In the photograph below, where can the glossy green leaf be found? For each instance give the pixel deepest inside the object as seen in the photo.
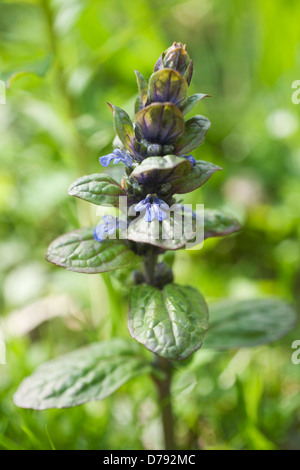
(199, 174)
(195, 131)
(171, 322)
(247, 323)
(123, 126)
(167, 85)
(78, 251)
(99, 189)
(161, 169)
(182, 229)
(87, 374)
(219, 224)
(143, 87)
(192, 100)
(172, 233)
(161, 123)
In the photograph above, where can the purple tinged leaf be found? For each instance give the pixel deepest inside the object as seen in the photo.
(161, 123)
(159, 64)
(155, 170)
(195, 131)
(200, 173)
(189, 73)
(123, 127)
(188, 105)
(167, 85)
(143, 87)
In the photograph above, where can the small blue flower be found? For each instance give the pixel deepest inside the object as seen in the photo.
(191, 159)
(108, 224)
(154, 208)
(117, 156)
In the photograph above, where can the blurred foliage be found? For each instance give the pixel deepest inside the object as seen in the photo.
(62, 61)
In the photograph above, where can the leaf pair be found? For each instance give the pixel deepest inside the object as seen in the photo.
(164, 123)
(167, 85)
(173, 323)
(177, 171)
(161, 123)
(98, 370)
(78, 251)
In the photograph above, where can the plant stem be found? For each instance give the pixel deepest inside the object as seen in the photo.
(163, 383)
(150, 261)
(164, 394)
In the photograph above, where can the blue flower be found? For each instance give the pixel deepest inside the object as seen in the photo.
(154, 208)
(108, 224)
(117, 156)
(190, 158)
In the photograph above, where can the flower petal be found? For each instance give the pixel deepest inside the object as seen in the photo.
(191, 159)
(148, 217)
(106, 159)
(108, 224)
(117, 156)
(162, 204)
(141, 206)
(99, 233)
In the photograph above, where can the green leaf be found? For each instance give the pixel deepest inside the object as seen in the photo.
(123, 126)
(78, 251)
(99, 189)
(192, 100)
(199, 174)
(143, 87)
(195, 131)
(172, 233)
(90, 373)
(219, 224)
(171, 322)
(181, 228)
(161, 169)
(161, 123)
(246, 323)
(167, 85)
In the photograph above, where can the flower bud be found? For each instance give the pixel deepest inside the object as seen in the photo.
(175, 57)
(154, 150)
(168, 149)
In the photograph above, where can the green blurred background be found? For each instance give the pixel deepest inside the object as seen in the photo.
(62, 61)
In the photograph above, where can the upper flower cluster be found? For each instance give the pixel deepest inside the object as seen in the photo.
(159, 128)
(156, 147)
